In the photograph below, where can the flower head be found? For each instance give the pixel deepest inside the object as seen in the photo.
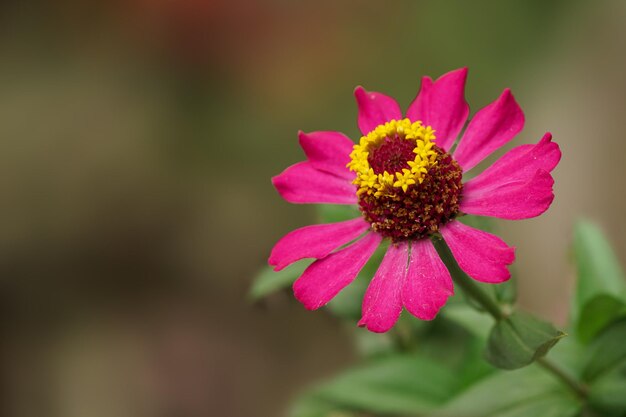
(408, 186)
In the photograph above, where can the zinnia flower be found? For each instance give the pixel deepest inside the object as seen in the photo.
(408, 185)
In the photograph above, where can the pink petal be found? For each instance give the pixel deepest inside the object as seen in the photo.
(515, 186)
(302, 183)
(492, 127)
(428, 283)
(375, 109)
(328, 152)
(520, 163)
(515, 200)
(315, 241)
(442, 106)
(382, 304)
(481, 255)
(324, 278)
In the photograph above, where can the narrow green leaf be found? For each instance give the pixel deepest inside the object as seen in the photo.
(479, 222)
(475, 322)
(331, 213)
(519, 340)
(521, 393)
(406, 384)
(601, 289)
(269, 281)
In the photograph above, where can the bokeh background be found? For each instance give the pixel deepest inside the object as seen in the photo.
(137, 142)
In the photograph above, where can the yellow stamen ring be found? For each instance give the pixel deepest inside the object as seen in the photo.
(385, 183)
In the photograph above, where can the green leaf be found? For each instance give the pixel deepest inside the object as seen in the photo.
(601, 289)
(406, 384)
(598, 313)
(521, 393)
(605, 370)
(269, 281)
(519, 340)
(608, 392)
(606, 351)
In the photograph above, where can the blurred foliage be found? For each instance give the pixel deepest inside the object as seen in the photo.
(601, 286)
(388, 386)
(526, 392)
(441, 368)
(605, 370)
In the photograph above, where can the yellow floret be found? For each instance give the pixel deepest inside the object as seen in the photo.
(388, 183)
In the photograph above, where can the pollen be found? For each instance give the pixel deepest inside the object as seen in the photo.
(393, 157)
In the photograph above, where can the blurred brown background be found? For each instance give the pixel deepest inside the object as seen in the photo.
(137, 142)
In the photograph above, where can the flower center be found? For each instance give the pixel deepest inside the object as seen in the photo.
(407, 186)
(392, 155)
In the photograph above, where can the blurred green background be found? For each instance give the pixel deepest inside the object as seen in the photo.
(138, 138)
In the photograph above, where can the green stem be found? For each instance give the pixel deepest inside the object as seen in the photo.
(470, 288)
(576, 386)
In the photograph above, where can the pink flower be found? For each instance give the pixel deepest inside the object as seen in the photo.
(408, 186)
